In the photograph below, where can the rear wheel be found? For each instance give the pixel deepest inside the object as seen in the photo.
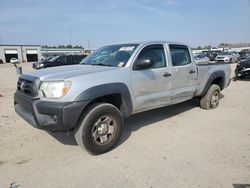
(100, 128)
(211, 99)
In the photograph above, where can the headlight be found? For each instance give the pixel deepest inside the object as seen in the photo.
(41, 65)
(55, 89)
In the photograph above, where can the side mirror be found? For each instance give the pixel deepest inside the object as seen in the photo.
(143, 64)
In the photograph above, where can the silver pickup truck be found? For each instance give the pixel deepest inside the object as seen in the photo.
(112, 83)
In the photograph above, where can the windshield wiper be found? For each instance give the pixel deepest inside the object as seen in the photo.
(101, 64)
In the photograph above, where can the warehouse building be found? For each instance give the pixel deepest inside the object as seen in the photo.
(34, 53)
(25, 53)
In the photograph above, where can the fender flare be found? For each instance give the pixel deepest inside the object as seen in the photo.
(108, 89)
(213, 76)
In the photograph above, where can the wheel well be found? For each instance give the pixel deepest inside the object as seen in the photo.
(219, 81)
(114, 99)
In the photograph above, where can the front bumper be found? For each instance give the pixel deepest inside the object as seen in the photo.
(53, 116)
(222, 60)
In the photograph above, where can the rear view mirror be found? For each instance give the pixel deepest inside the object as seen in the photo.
(143, 64)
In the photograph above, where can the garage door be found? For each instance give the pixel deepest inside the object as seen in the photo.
(31, 52)
(31, 55)
(12, 53)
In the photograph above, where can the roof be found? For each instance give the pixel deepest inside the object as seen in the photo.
(151, 42)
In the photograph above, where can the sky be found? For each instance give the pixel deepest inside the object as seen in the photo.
(95, 23)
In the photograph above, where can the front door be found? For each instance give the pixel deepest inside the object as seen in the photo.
(151, 85)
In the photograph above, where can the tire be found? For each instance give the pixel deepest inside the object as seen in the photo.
(211, 99)
(100, 128)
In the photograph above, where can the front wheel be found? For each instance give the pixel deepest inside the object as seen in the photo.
(211, 99)
(100, 128)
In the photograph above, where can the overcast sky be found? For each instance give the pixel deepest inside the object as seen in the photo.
(101, 22)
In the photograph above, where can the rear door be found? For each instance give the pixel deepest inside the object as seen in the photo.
(151, 86)
(184, 73)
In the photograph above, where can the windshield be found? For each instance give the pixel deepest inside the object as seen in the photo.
(225, 53)
(53, 59)
(114, 55)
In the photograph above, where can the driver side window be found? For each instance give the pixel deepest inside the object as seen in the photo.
(155, 53)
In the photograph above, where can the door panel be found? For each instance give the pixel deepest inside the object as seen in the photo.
(151, 88)
(184, 73)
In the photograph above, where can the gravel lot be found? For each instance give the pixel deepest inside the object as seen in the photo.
(176, 146)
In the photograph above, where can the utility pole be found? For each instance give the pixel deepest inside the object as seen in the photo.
(70, 36)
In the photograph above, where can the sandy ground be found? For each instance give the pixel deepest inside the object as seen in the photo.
(176, 146)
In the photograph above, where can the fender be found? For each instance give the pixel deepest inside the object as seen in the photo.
(109, 89)
(212, 77)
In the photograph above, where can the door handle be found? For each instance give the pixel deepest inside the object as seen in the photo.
(166, 74)
(191, 71)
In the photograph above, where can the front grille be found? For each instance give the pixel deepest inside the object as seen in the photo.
(220, 60)
(27, 87)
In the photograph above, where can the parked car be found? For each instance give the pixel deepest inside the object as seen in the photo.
(244, 53)
(201, 59)
(236, 55)
(210, 54)
(59, 61)
(94, 97)
(227, 57)
(243, 68)
(14, 60)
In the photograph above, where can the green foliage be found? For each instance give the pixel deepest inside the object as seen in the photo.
(62, 46)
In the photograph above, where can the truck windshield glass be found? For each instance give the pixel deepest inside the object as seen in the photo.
(113, 55)
(225, 53)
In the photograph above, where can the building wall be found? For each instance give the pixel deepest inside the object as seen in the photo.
(21, 51)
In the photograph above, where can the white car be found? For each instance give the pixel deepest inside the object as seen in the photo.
(228, 57)
(201, 59)
(14, 60)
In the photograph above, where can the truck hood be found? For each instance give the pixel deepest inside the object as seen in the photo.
(65, 72)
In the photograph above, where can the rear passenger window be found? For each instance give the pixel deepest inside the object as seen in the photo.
(68, 59)
(180, 55)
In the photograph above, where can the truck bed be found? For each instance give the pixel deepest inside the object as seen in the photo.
(206, 71)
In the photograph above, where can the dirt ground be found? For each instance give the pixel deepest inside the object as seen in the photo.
(176, 146)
